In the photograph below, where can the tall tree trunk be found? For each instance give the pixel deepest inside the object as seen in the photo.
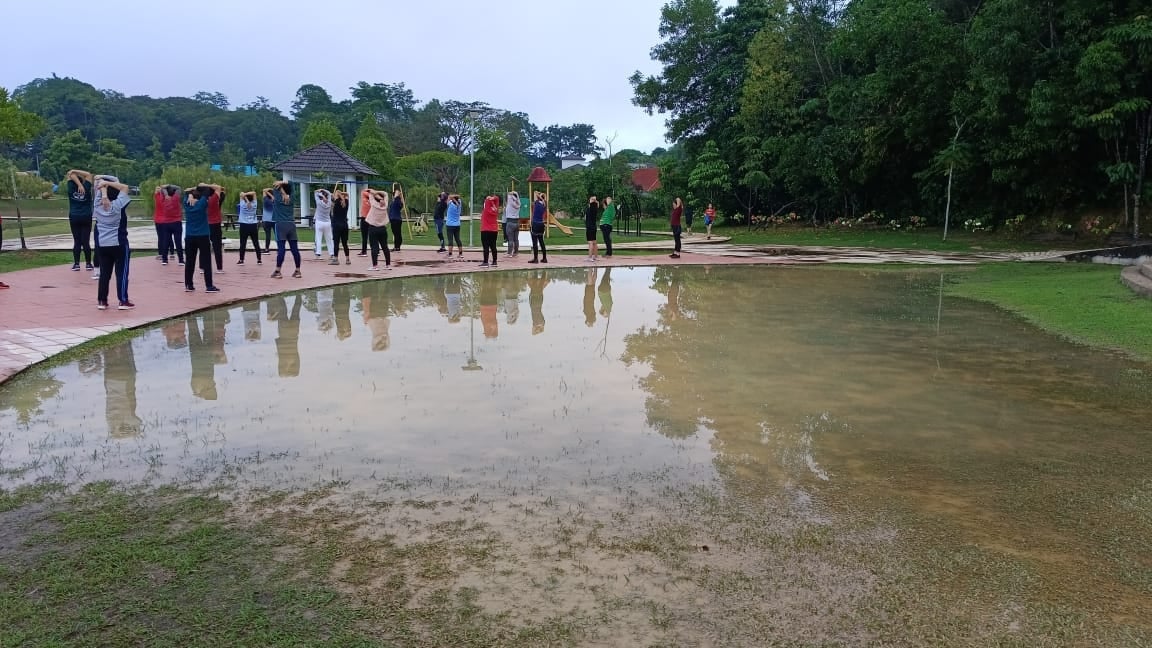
(948, 203)
(19, 217)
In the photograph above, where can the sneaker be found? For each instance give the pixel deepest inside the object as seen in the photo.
(76, 267)
(374, 269)
(362, 254)
(441, 251)
(276, 274)
(484, 264)
(543, 260)
(181, 264)
(219, 270)
(297, 275)
(212, 289)
(387, 267)
(101, 306)
(163, 263)
(4, 286)
(96, 276)
(533, 261)
(492, 266)
(259, 262)
(88, 267)
(126, 305)
(334, 261)
(189, 288)
(674, 255)
(240, 262)
(348, 261)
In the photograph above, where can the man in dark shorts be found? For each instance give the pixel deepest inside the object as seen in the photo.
(285, 220)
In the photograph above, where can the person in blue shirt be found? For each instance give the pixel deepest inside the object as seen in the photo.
(249, 226)
(80, 216)
(539, 213)
(452, 222)
(396, 219)
(197, 239)
(268, 219)
(438, 218)
(285, 219)
(110, 200)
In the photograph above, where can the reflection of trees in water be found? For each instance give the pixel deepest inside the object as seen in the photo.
(25, 394)
(120, 391)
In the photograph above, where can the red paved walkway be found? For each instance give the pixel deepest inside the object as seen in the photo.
(49, 310)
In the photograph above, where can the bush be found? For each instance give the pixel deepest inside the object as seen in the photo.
(234, 184)
(28, 185)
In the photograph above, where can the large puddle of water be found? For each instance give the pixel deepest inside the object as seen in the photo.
(890, 432)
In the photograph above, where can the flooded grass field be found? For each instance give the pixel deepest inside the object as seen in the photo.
(737, 456)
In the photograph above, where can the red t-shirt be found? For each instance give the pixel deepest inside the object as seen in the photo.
(710, 214)
(158, 206)
(676, 212)
(173, 211)
(215, 214)
(490, 217)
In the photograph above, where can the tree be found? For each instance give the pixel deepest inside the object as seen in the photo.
(710, 174)
(216, 99)
(373, 148)
(311, 99)
(189, 153)
(1114, 75)
(319, 131)
(17, 127)
(439, 168)
(231, 157)
(387, 102)
(69, 151)
(557, 142)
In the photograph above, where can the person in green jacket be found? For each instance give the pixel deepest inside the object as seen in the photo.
(606, 219)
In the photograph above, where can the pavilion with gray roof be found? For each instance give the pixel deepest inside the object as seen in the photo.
(325, 164)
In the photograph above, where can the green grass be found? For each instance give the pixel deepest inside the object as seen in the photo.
(1084, 303)
(14, 260)
(116, 567)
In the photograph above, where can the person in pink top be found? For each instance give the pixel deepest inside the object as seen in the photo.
(490, 228)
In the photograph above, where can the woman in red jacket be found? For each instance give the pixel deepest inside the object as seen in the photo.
(490, 228)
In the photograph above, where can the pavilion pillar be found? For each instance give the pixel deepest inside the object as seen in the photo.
(305, 212)
(353, 201)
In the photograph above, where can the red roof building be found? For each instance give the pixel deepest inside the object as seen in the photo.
(646, 179)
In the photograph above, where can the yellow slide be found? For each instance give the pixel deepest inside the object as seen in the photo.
(555, 223)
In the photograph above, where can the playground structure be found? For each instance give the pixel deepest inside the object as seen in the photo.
(540, 176)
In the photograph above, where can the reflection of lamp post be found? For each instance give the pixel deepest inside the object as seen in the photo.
(472, 115)
(472, 364)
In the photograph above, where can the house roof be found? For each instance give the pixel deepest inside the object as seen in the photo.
(571, 158)
(646, 179)
(325, 157)
(539, 174)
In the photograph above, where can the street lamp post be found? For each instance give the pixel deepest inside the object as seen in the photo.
(472, 115)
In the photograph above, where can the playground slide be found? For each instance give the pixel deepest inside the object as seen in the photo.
(555, 223)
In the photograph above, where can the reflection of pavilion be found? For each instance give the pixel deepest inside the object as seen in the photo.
(120, 391)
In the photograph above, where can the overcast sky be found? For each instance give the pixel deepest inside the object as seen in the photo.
(562, 62)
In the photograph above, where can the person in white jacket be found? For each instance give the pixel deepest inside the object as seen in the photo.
(324, 225)
(512, 222)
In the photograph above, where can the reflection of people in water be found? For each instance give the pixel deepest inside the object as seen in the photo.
(287, 335)
(536, 286)
(120, 391)
(326, 317)
(215, 328)
(590, 297)
(452, 297)
(203, 367)
(250, 313)
(605, 292)
(672, 309)
(512, 298)
(489, 290)
(175, 335)
(439, 295)
(375, 310)
(342, 305)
